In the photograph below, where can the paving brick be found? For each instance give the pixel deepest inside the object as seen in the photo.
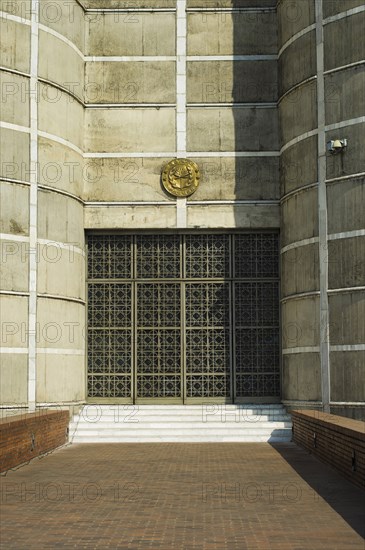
(181, 496)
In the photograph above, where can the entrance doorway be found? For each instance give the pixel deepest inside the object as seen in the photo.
(183, 318)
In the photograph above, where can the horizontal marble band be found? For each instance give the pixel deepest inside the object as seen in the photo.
(348, 347)
(343, 14)
(62, 298)
(344, 67)
(297, 191)
(295, 37)
(301, 349)
(296, 86)
(15, 18)
(346, 289)
(60, 351)
(300, 296)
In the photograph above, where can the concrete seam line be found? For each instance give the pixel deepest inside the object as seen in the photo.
(33, 206)
(322, 211)
(181, 38)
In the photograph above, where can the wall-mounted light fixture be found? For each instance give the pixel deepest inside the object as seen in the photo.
(336, 146)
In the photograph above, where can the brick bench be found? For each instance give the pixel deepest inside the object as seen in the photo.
(29, 435)
(336, 440)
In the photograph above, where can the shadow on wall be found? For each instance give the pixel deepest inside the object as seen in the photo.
(253, 92)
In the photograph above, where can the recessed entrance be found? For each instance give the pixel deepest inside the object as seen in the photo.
(183, 318)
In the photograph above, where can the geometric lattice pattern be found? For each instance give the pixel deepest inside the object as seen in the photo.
(158, 330)
(207, 256)
(183, 315)
(158, 257)
(208, 342)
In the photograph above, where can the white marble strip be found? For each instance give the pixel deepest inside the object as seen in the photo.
(298, 139)
(181, 213)
(164, 154)
(13, 180)
(348, 347)
(296, 86)
(295, 37)
(13, 71)
(234, 154)
(347, 289)
(192, 154)
(56, 34)
(181, 37)
(12, 237)
(33, 206)
(60, 351)
(262, 105)
(343, 14)
(61, 298)
(15, 18)
(348, 177)
(297, 244)
(50, 404)
(128, 105)
(262, 57)
(128, 58)
(299, 402)
(129, 10)
(344, 67)
(227, 9)
(322, 212)
(15, 127)
(347, 234)
(236, 202)
(253, 202)
(60, 192)
(109, 204)
(344, 123)
(62, 141)
(297, 191)
(302, 349)
(62, 89)
(70, 247)
(348, 403)
(23, 351)
(14, 293)
(300, 296)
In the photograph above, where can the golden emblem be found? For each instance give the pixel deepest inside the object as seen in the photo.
(180, 177)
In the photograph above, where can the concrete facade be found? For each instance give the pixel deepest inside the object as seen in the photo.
(96, 97)
(321, 68)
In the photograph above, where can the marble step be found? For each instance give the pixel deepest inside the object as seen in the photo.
(227, 419)
(187, 439)
(178, 425)
(184, 423)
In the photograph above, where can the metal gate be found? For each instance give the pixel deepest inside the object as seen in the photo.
(183, 317)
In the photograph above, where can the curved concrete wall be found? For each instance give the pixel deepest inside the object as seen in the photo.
(114, 103)
(42, 118)
(321, 74)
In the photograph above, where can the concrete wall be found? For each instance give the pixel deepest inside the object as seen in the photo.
(148, 103)
(116, 99)
(43, 264)
(119, 94)
(322, 204)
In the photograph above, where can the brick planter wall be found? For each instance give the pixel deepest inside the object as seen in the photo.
(29, 435)
(335, 440)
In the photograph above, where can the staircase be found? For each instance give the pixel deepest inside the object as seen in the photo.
(180, 423)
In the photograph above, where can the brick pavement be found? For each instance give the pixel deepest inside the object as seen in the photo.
(180, 496)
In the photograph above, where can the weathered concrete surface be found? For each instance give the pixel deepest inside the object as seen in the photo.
(246, 129)
(131, 82)
(135, 34)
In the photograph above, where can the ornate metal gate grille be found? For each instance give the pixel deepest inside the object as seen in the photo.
(183, 317)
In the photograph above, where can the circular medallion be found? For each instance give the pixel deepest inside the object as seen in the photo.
(180, 177)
